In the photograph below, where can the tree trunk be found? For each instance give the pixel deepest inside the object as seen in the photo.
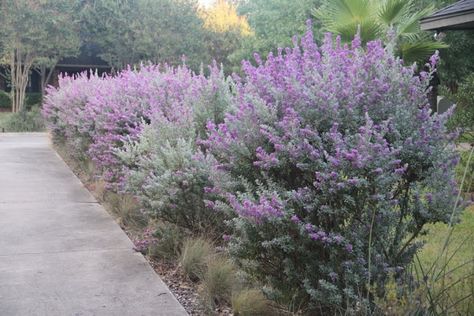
(45, 74)
(20, 68)
(12, 80)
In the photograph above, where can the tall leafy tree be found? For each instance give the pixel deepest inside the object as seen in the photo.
(226, 30)
(273, 23)
(32, 32)
(396, 22)
(130, 31)
(109, 24)
(171, 29)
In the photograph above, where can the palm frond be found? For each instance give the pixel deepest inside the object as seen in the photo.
(344, 16)
(391, 11)
(411, 23)
(369, 31)
(419, 51)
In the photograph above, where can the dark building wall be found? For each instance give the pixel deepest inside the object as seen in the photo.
(34, 84)
(87, 60)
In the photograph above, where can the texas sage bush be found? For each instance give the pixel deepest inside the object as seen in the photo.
(141, 128)
(64, 109)
(332, 164)
(167, 169)
(97, 115)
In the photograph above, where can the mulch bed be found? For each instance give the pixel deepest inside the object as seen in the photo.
(184, 290)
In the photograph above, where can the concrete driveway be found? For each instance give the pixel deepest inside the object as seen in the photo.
(61, 253)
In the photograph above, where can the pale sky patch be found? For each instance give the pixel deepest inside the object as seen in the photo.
(206, 3)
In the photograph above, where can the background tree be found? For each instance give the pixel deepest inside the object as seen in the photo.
(109, 25)
(273, 23)
(128, 32)
(32, 32)
(67, 43)
(455, 64)
(170, 30)
(396, 22)
(225, 32)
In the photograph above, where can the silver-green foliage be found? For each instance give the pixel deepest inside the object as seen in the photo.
(167, 169)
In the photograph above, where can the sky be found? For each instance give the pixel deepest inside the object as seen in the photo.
(206, 2)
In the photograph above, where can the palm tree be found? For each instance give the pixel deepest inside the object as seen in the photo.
(396, 22)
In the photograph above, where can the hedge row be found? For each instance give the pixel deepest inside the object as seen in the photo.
(320, 166)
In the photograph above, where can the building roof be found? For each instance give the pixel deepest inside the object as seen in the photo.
(457, 16)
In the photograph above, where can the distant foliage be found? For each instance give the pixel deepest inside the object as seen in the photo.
(456, 65)
(273, 24)
(225, 32)
(24, 121)
(5, 101)
(337, 165)
(222, 17)
(132, 31)
(463, 118)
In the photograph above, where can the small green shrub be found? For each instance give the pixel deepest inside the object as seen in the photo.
(250, 302)
(24, 121)
(218, 282)
(194, 256)
(5, 102)
(32, 99)
(125, 206)
(463, 117)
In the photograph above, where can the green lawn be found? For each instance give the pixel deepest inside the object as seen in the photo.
(3, 118)
(459, 259)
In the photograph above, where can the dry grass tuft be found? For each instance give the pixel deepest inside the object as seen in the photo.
(251, 302)
(194, 257)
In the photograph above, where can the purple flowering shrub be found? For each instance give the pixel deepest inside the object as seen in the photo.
(332, 164)
(130, 103)
(140, 129)
(64, 109)
(102, 114)
(168, 171)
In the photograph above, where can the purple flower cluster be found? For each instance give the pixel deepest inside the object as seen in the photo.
(97, 115)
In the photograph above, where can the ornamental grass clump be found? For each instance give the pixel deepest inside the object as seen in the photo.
(332, 164)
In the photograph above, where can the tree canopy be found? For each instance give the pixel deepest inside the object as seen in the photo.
(34, 33)
(273, 23)
(128, 32)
